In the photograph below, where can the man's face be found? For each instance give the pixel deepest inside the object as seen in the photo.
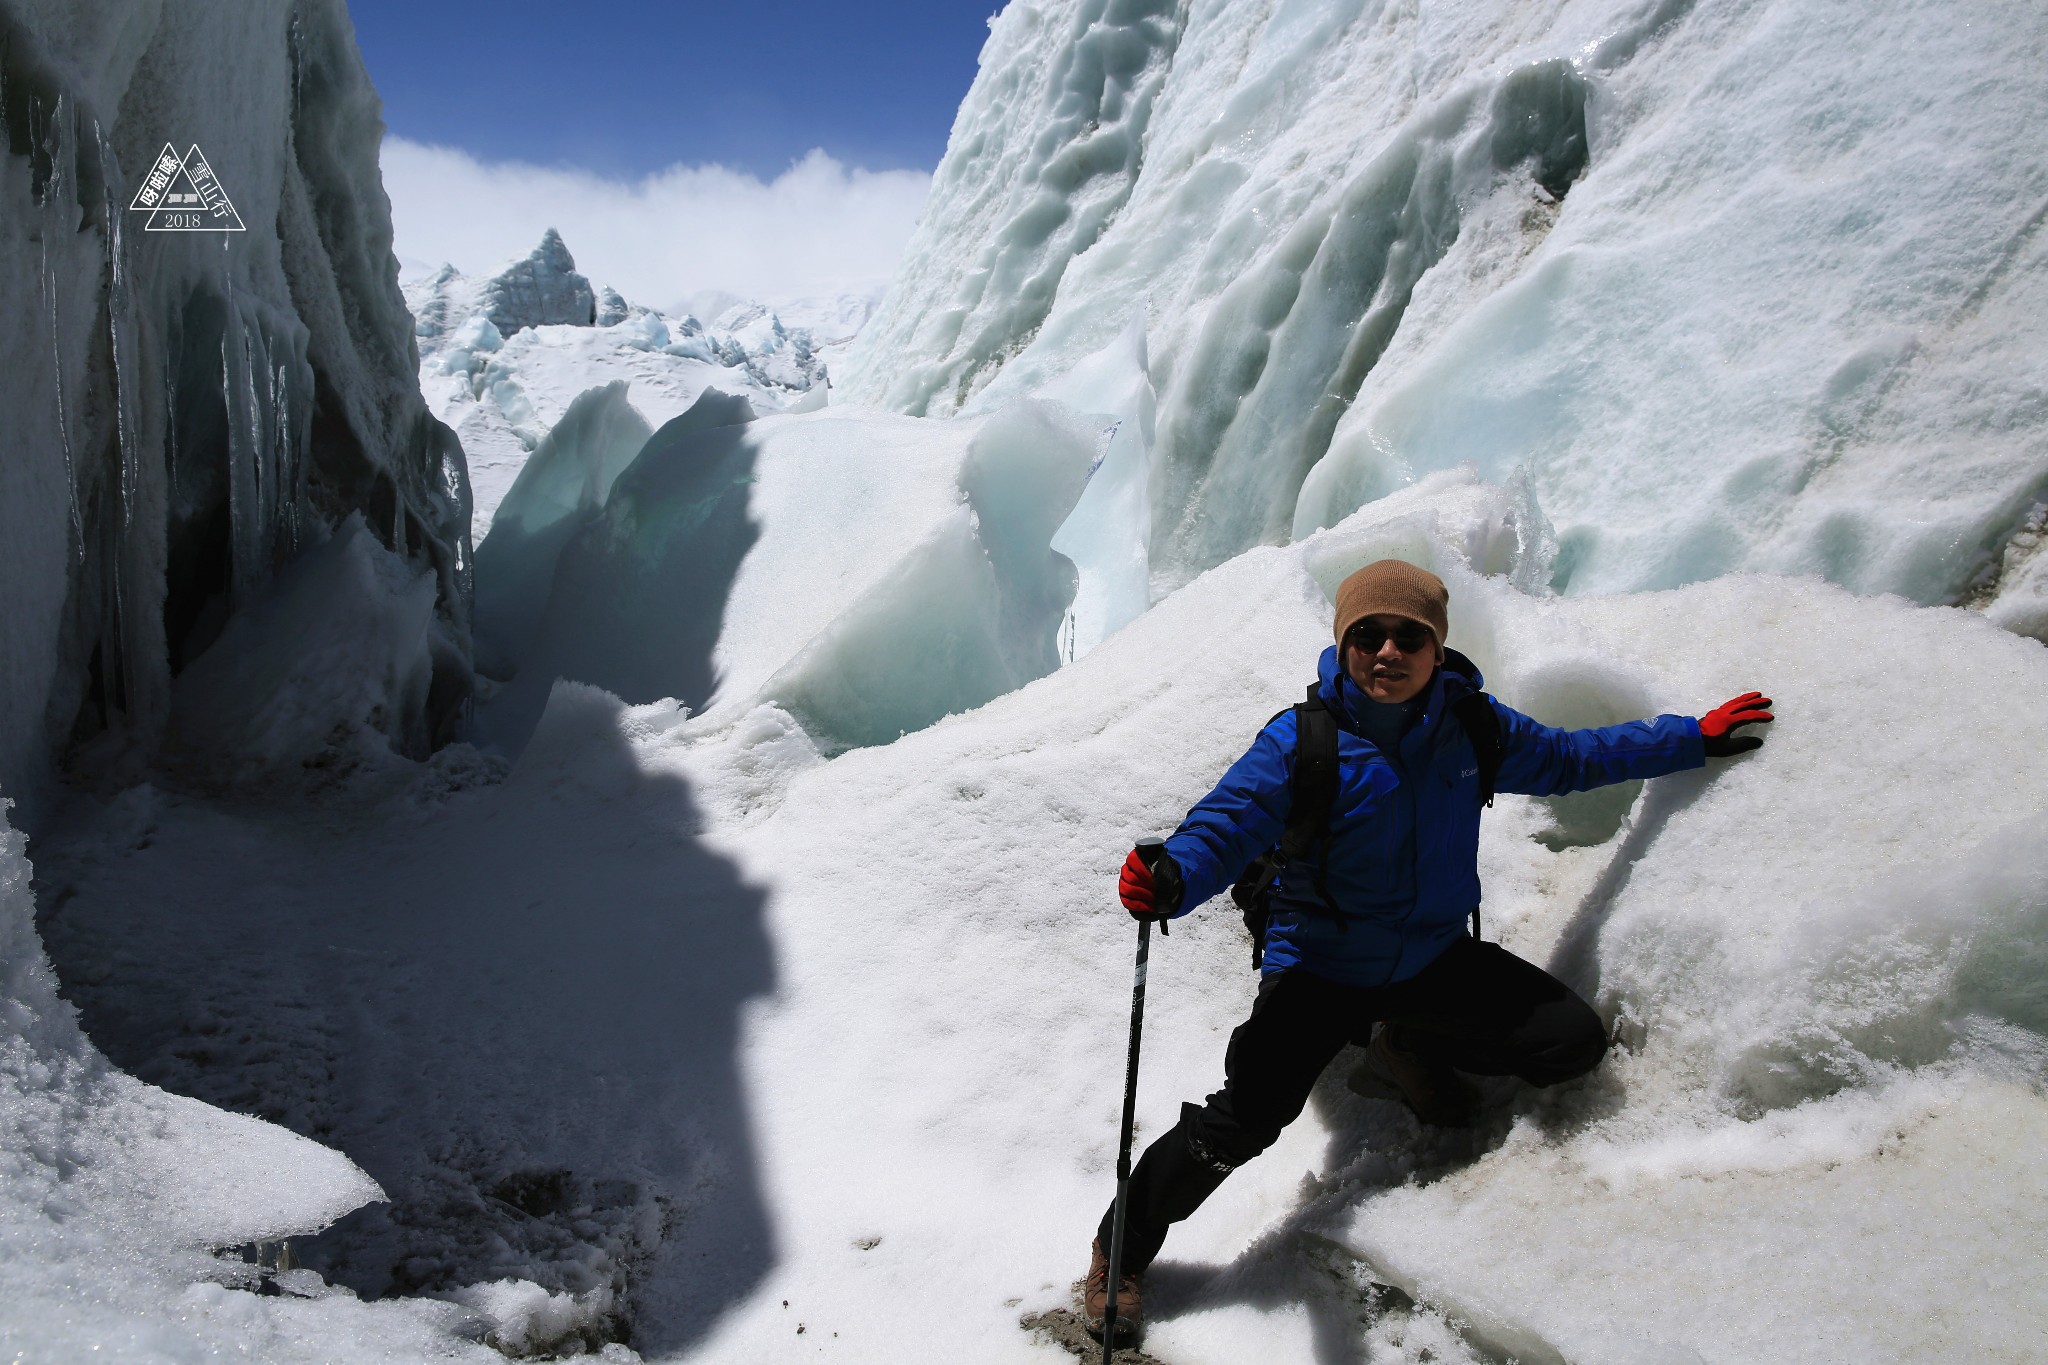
(1388, 672)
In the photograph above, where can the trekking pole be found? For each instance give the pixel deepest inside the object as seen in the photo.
(1151, 851)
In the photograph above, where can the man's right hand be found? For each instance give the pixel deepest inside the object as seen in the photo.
(1150, 893)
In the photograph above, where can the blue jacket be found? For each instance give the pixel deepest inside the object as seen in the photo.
(1402, 858)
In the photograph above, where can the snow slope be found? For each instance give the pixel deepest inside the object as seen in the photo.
(854, 1025)
(1788, 258)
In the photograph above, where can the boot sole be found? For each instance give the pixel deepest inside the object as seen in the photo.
(1126, 1333)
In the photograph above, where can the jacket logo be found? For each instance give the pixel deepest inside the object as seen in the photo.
(1469, 772)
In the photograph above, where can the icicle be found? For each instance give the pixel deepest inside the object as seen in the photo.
(170, 352)
(265, 537)
(117, 314)
(63, 414)
(238, 501)
(287, 462)
(295, 37)
(244, 510)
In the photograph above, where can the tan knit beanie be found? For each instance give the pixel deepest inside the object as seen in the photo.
(1395, 588)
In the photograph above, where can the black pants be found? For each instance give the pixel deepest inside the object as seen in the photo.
(1478, 1007)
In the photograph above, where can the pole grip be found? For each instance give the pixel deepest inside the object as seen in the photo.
(1151, 849)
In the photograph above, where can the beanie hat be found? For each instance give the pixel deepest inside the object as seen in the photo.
(1394, 588)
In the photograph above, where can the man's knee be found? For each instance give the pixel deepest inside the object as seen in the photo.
(1218, 1141)
(1570, 1042)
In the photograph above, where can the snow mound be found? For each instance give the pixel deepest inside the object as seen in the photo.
(112, 1191)
(527, 1320)
(337, 651)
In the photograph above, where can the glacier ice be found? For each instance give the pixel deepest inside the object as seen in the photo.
(1104, 536)
(734, 563)
(805, 940)
(336, 651)
(1621, 247)
(559, 487)
(544, 288)
(503, 390)
(612, 308)
(194, 410)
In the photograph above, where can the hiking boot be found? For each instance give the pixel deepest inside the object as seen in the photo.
(1437, 1094)
(1130, 1296)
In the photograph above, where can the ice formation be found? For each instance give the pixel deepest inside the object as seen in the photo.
(1625, 247)
(502, 380)
(1821, 962)
(190, 410)
(778, 983)
(736, 559)
(544, 288)
(341, 642)
(559, 488)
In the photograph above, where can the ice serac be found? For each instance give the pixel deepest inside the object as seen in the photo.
(735, 563)
(542, 289)
(189, 411)
(1105, 535)
(612, 308)
(1044, 156)
(1662, 256)
(561, 485)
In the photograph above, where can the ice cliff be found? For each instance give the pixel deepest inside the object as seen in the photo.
(1788, 259)
(190, 411)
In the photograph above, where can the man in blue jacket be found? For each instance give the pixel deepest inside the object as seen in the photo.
(1371, 926)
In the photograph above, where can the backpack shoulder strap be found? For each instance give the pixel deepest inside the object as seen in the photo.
(1482, 726)
(1315, 775)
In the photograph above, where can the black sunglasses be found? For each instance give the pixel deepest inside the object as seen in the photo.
(1408, 638)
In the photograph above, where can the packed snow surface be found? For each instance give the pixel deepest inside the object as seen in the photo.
(847, 1032)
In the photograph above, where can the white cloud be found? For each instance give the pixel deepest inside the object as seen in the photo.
(818, 228)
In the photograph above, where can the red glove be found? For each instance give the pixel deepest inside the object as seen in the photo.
(1148, 895)
(1717, 727)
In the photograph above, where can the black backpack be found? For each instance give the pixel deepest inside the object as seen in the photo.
(1315, 788)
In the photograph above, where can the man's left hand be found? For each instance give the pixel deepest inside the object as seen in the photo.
(1717, 727)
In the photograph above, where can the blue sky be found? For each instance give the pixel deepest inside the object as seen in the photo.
(624, 89)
